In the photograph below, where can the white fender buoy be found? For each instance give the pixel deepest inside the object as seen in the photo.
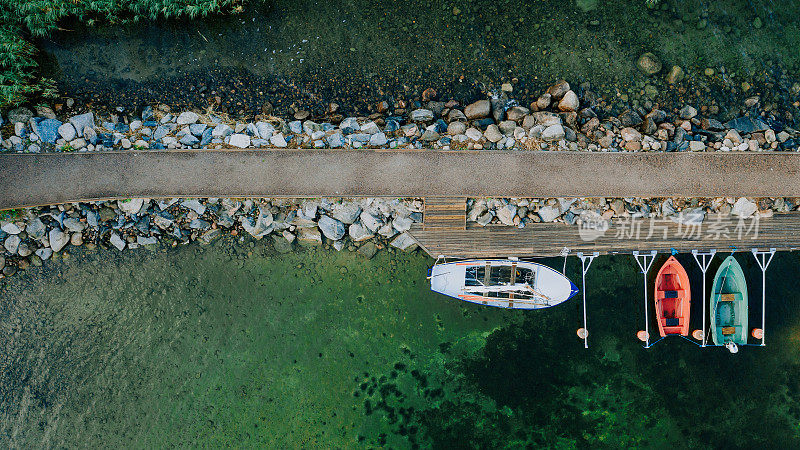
(732, 347)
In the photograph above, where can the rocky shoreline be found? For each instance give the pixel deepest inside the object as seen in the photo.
(520, 212)
(34, 235)
(562, 118)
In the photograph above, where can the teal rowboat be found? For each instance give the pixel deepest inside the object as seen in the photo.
(729, 304)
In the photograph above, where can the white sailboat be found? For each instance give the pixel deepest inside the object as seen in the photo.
(504, 283)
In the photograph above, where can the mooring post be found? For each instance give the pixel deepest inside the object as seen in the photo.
(645, 260)
(763, 263)
(704, 261)
(586, 262)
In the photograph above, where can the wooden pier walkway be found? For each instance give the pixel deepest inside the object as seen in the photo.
(624, 235)
(445, 214)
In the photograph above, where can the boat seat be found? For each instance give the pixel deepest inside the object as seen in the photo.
(670, 294)
(727, 297)
(727, 331)
(672, 322)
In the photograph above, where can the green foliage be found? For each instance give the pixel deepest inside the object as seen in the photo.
(10, 214)
(19, 18)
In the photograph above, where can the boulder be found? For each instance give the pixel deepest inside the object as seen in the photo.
(12, 243)
(570, 102)
(240, 140)
(558, 90)
(421, 115)
(493, 133)
(187, 118)
(478, 110)
(549, 213)
(67, 131)
(404, 242)
(506, 214)
(331, 228)
(553, 133)
(36, 229)
(359, 232)
(81, 122)
(309, 236)
(744, 208)
(346, 213)
(371, 222)
(58, 239)
(116, 241)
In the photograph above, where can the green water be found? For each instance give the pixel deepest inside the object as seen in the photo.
(356, 52)
(236, 345)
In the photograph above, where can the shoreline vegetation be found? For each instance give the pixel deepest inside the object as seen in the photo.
(560, 119)
(22, 20)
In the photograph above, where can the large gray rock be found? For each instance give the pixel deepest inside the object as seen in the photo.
(569, 102)
(67, 131)
(131, 206)
(310, 236)
(346, 212)
(506, 214)
(12, 244)
(261, 225)
(117, 241)
(240, 140)
(549, 213)
(404, 242)
(744, 208)
(478, 110)
(195, 205)
(222, 130)
(553, 133)
(265, 129)
(74, 225)
(36, 229)
(493, 133)
(187, 118)
(371, 222)
(747, 125)
(331, 228)
(11, 228)
(81, 122)
(359, 232)
(402, 223)
(421, 115)
(278, 140)
(58, 239)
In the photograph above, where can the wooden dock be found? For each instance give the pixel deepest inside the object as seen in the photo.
(445, 214)
(624, 235)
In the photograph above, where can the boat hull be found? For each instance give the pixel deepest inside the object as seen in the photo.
(468, 281)
(729, 304)
(673, 298)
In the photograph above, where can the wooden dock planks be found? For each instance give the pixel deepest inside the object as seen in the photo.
(722, 233)
(445, 214)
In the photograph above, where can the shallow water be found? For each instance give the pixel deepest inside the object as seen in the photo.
(235, 345)
(354, 52)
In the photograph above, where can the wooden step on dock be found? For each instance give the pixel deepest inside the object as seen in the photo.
(445, 214)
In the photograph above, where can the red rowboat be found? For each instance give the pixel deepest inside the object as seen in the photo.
(673, 298)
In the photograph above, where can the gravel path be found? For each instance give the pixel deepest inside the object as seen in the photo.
(37, 179)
